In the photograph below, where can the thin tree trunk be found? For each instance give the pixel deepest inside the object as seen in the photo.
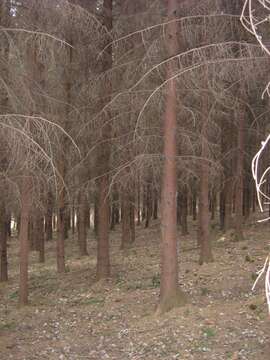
(24, 240)
(238, 236)
(138, 202)
(184, 211)
(60, 241)
(41, 245)
(155, 204)
(82, 223)
(3, 243)
(170, 294)
(149, 203)
(204, 216)
(103, 252)
(194, 200)
(204, 223)
(48, 218)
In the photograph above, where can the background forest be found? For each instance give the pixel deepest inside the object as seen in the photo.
(127, 131)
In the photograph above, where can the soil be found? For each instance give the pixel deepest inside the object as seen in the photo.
(73, 317)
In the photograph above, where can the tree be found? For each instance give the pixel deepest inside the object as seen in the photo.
(103, 163)
(170, 294)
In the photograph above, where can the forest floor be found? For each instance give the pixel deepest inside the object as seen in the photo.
(72, 317)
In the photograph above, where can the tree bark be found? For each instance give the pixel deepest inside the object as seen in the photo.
(203, 226)
(103, 252)
(170, 294)
(60, 241)
(23, 238)
(82, 222)
(3, 243)
(48, 218)
(239, 236)
(204, 216)
(128, 220)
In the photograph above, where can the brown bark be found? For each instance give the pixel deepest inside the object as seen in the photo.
(204, 216)
(155, 204)
(149, 203)
(170, 295)
(60, 241)
(194, 200)
(103, 161)
(238, 236)
(3, 243)
(103, 252)
(128, 220)
(82, 222)
(40, 237)
(26, 195)
(204, 223)
(48, 218)
(138, 202)
(184, 211)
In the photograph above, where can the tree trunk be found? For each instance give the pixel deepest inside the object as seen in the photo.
(184, 211)
(48, 218)
(41, 239)
(128, 220)
(204, 223)
(60, 241)
(238, 236)
(170, 294)
(138, 202)
(149, 203)
(82, 222)
(3, 243)
(204, 215)
(23, 239)
(103, 252)
(155, 204)
(194, 200)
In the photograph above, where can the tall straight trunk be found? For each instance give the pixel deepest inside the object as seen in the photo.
(103, 252)
(204, 216)
(82, 222)
(239, 178)
(60, 241)
(26, 195)
(128, 220)
(222, 209)
(170, 294)
(115, 209)
(67, 222)
(4, 22)
(3, 243)
(138, 202)
(48, 218)
(213, 204)
(41, 239)
(96, 215)
(184, 211)
(149, 203)
(155, 204)
(227, 143)
(247, 197)
(194, 199)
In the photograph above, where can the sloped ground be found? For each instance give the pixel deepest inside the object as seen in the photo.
(72, 317)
